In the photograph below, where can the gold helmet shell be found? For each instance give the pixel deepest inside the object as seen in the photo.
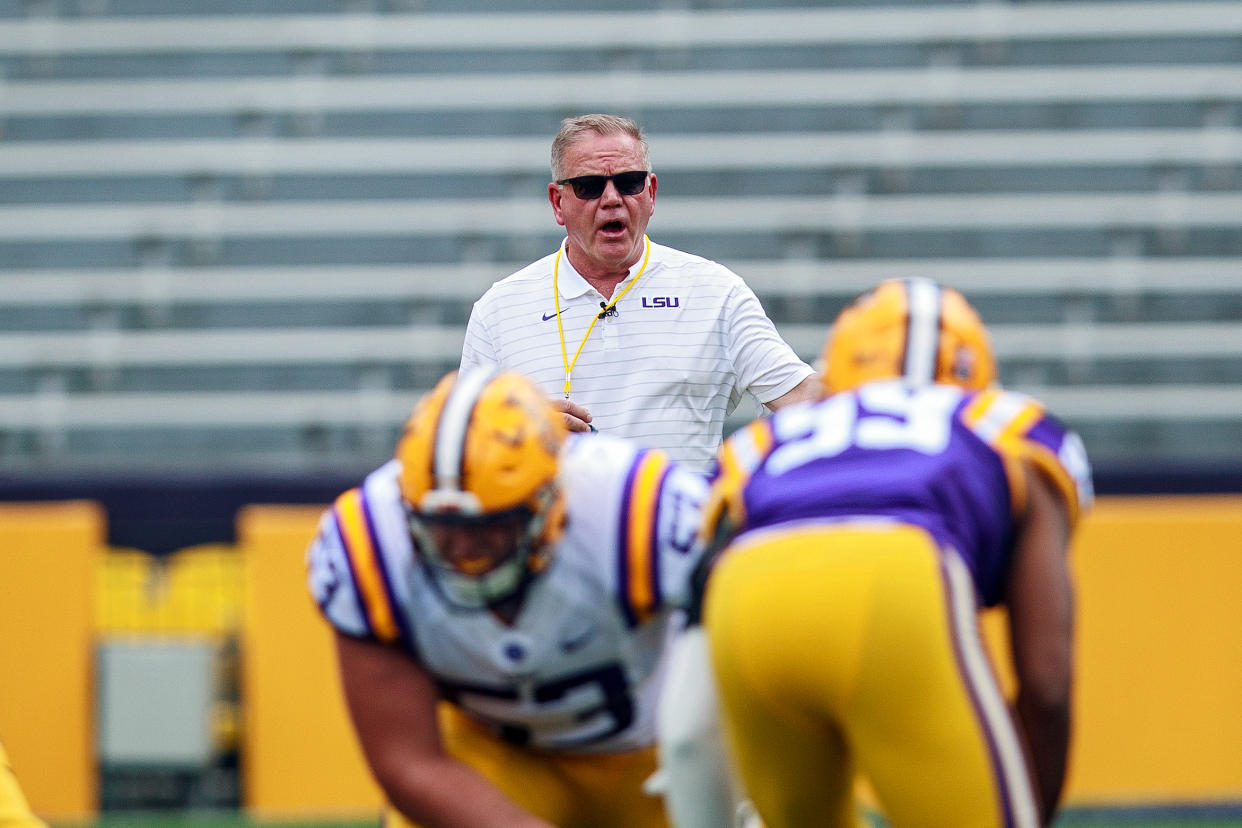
(912, 329)
(481, 447)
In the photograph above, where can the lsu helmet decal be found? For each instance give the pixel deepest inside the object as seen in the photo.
(479, 450)
(914, 329)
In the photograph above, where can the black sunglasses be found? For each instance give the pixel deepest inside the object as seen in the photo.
(587, 187)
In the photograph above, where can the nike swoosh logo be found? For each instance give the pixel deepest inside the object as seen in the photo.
(548, 316)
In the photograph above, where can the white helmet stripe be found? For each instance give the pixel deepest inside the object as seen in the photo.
(922, 330)
(451, 430)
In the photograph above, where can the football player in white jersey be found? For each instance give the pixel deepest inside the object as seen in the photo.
(501, 594)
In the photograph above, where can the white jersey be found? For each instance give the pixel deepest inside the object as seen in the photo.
(580, 668)
(686, 343)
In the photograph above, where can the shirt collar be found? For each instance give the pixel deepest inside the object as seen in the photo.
(570, 283)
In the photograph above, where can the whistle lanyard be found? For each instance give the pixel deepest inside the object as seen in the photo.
(560, 328)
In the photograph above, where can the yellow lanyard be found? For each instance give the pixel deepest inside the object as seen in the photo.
(560, 328)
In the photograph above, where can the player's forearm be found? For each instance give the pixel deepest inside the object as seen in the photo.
(448, 794)
(1046, 725)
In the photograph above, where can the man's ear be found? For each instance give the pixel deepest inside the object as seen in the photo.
(554, 197)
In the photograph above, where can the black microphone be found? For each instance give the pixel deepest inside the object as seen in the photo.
(607, 311)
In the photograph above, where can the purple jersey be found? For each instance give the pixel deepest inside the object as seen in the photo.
(935, 456)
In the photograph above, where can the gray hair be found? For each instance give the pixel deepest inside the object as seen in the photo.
(574, 128)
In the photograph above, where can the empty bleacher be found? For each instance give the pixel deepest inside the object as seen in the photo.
(248, 235)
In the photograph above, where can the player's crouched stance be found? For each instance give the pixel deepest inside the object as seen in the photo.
(500, 596)
(865, 530)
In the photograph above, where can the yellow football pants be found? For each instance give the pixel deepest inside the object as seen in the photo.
(853, 648)
(14, 812)
(578, 791)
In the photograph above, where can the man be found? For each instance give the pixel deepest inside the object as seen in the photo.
(14, 812)
(500, 597)
(631, 337)
(862, 534)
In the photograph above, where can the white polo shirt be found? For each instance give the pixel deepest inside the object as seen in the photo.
(687, 341)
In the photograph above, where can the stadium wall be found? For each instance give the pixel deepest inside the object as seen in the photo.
(1159, 658)
(299, 754)
(48, 553)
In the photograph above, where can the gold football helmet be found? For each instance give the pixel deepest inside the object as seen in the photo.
(914, 329)
(480, 452)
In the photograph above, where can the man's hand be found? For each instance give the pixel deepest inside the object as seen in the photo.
(576, 417)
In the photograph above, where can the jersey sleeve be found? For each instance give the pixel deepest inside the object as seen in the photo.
(1024, 433)
(724, 512)
(348, 575)
(330, 581)
(679, 513)
(765, 364)
(645, 509)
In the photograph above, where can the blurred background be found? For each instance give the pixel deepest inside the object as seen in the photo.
(238, 238)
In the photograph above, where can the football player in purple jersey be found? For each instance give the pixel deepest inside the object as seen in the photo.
(858, 537)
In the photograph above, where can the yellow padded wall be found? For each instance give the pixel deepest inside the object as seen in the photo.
(299, 754)
(1158, 652)
(47, 555)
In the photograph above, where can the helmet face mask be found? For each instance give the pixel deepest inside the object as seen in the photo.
(478, 476)
(911, 329)
(477, 562)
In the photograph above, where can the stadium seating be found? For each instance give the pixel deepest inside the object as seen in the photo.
(240, 240)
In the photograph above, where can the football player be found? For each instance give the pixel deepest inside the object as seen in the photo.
(859, 535)
(500, 595)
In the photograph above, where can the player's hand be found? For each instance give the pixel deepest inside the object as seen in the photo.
(576, 417)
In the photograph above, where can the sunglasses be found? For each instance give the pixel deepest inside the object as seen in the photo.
(587, 187)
